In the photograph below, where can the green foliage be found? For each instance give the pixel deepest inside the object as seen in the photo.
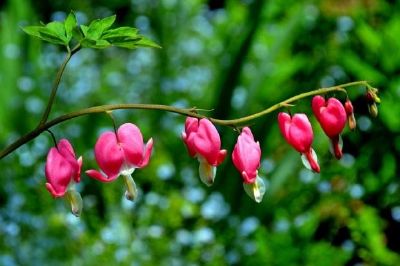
(97, 35)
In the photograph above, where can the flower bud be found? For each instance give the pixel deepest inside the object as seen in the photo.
(372, 95)
(373, 109)
(351, 121)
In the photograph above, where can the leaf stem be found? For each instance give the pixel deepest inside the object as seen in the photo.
(182, 111)
(56, 83)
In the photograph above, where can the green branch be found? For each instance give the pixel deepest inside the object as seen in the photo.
(56, 83)
(186, 112)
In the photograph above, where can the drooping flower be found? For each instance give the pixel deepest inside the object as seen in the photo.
(120, 153)
(298, 133)
(62, 170)
(203, 142)
(332, 117)
(351, 120)
(246, 157)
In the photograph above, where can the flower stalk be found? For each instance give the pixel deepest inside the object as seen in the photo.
(181, 111)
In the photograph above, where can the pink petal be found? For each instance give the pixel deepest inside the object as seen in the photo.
(109, 154)
(189, 144)
(59, 172)
(246, 155)
(147, 153)
(131, 140)
(300, 134)
(53, 192)
(101, 177)
(248, 179)
(330, 114)
(207, 141)
(284, 121)
(191, 127)
(221, 156)
(311, 157)
(317, 103)
(64, 147)
(77, 177)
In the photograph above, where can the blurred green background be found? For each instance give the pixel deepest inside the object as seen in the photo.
(235, 57)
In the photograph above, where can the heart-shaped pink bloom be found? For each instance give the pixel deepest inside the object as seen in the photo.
(246, 156)
(332, 117)
(298, 133)
(203, 142)
(202, 139)
(61, 168)
(120, 153)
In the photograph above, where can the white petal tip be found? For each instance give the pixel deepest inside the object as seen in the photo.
(255, 190)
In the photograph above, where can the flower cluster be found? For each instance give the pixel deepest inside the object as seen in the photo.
(331, 114)
(121, 151)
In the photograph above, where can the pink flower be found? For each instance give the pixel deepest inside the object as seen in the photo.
(121, 153)
(332, 117)
(298, 133)
(203, 142)
(246, 156)
(62, 168)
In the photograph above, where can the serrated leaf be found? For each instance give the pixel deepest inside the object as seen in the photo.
(129, 44)
(70, 24)
(58, 29)
(121, 32)
(97, 44)
(147, 43)
(33, 30)
(107, 22)
(98, 26)
(44, 34)
(78, 33)
(84, 30)
(51, 37)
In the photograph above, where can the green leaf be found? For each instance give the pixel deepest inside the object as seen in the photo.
(78, 33)
(33, 30)
(51, 37)
(147, 43)
(70, 24)
(97, 44)
(98, 26)
(58, 29)
(84, 30)
(44, 33)
(121, 33)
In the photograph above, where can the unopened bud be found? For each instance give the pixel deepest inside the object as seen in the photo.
(373, 110)
(372, 95)
(351, 121)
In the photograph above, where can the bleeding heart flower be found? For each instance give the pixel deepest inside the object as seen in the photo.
(62, 170)
(298, 133)
(121, 153)
(203, 142)
(332, 117)
(246, 157)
